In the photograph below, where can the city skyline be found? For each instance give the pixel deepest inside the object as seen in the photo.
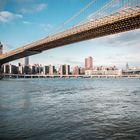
(26, 62)
(23, 23)
(24, 68)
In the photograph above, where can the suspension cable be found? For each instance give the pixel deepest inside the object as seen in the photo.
(76, 15)
(105, 7)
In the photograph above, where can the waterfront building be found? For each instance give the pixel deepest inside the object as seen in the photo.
(46, 70)
(67, 69)
(82, 71)
(89, 63)
(120, 72)
(24, 66)
(52, 70)
(6, 68)
(33, 69)
(133, 71)
(38, 69)
(76, 70)
(20, 68)
(88, 72)
(30, 69)
(41, 69)
(26, 69)
(10, 69)
(61, 70)
(13, 69)
(104, 71)
(64, 70)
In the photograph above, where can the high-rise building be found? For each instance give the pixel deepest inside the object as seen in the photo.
(76, 70)
(61, 70)
(24, 65)
(89, 63)
(46, 70)
(10, 69)
(26, 69)
(82, 71)
(20, 68)
(52, 70)
(64, 69)
(24, 61)
(67, 69)
(6, 68)
(1, 48)
(33, 69)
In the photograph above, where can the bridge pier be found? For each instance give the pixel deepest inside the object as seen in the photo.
(1, 71)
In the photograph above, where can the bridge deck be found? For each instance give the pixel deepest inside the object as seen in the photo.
(124, 20)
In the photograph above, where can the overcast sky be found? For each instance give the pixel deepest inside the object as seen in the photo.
(24, 21)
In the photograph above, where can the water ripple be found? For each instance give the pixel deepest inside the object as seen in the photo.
(70, 109)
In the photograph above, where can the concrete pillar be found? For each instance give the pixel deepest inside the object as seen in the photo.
(4, 67)
(10, 69)
(1, 71)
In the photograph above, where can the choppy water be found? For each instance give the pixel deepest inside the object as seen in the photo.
(70, 109)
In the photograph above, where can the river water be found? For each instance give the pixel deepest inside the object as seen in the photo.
(70, 109)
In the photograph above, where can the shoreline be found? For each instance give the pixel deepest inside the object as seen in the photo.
(16, 76)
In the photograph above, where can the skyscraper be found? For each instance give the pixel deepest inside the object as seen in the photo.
(24, 65)
(24, 61)
(64, 69)
(52, 70)
(67, 69)
(89, 63)
(46, 70)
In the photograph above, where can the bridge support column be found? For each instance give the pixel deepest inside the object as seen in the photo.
(1, 71)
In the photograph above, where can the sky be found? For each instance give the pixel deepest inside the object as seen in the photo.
(25, 21)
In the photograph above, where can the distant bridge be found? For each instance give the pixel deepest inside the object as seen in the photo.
(124, 20)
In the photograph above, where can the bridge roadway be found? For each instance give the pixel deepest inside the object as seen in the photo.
(121, 21)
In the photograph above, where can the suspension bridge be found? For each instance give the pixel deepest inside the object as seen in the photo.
(124, 16)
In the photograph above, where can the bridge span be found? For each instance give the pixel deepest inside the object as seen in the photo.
(125, 20)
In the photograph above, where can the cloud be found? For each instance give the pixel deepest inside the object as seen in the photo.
(6, 16)
(46, 27)
(40, 7)
(73, 62)
(26, 22)
(126, 38)
(34, 8)
(121, 60)
(130, 38)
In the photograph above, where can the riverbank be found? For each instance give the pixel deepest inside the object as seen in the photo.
(17, 76)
